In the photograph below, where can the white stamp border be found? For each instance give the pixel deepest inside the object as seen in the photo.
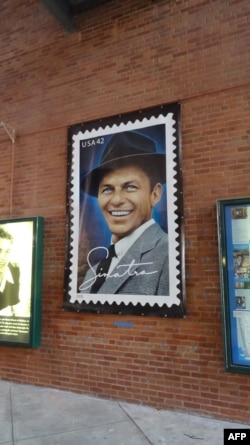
(174, 249)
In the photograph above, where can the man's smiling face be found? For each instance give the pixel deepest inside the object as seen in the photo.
(126, 199)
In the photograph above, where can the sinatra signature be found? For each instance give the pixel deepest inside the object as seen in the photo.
(125, 270)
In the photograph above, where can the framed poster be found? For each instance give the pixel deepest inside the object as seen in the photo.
(233, 217)
(124, 190)
(21, 248)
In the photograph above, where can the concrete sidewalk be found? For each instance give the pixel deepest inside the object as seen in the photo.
(32, 415)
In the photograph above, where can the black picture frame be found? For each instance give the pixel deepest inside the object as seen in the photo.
(87, 141)
(233, 222)
(21, 249)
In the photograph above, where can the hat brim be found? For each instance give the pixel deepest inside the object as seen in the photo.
(154, 161)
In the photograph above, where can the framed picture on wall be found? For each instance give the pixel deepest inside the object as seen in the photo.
(125, 220)
(21, 256)
(233, 216)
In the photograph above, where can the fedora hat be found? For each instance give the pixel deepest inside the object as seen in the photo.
(123, 149)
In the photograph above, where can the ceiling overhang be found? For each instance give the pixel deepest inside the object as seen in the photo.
(65, 10)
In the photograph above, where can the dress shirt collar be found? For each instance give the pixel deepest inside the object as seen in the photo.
(122, 246)
(6, 277)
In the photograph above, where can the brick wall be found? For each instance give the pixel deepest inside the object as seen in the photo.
(126, 56)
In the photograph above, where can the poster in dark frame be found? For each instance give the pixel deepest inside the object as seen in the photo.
(233, 219)
(146, 277)
(21, 266)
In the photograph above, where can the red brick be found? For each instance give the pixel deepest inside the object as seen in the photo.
(127, 56)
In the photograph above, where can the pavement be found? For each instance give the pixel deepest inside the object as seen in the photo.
(31, 415)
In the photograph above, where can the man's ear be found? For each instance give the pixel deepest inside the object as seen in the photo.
(156, 194)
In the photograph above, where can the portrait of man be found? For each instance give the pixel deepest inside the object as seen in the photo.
(125, 215)
(9, 276)
(127, 185)
(20, 280)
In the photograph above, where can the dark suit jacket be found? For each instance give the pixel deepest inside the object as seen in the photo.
(10, 294)
(143, 270)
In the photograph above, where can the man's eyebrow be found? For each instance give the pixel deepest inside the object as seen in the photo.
(131, 181)
(103, 186)
(107, 184)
